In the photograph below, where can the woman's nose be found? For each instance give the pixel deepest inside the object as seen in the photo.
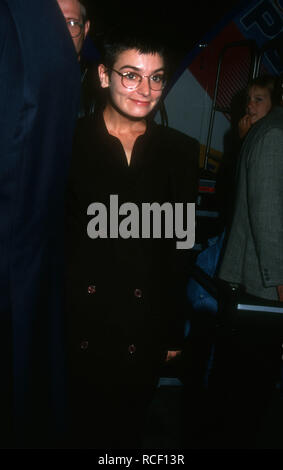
(144, 87)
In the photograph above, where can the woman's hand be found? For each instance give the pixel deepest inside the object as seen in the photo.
(172, 355)
(244, 125)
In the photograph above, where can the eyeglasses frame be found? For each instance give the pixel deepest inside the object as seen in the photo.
(81, 25)
(122, 75)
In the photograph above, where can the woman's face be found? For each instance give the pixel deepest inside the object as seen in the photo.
(138, 102)
(259, 103)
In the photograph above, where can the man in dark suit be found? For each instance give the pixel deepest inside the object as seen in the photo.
(39, 86)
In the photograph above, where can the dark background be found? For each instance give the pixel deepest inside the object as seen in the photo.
(179, 24)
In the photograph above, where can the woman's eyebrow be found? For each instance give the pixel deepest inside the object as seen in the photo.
(139, 70)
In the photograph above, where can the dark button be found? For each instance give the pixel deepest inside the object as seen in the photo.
(138, 293)
(132, 349)
(91, 289)
(84, 345)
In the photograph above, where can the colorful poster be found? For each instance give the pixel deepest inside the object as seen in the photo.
(243, 33)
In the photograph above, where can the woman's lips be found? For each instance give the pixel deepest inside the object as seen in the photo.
(141, 103)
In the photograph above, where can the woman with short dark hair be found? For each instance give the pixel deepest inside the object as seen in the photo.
(124, 290)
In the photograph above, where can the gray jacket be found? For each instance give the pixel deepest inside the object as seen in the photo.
(253, 255)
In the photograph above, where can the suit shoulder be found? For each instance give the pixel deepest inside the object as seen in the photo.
(174, 135)
(274, 120)
(174, 138)
(263, 128)
(181, 152)
(5, 20)
(9, 37)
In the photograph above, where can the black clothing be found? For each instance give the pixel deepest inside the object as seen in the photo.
(39, 98)
(124, 296)
(243, 380)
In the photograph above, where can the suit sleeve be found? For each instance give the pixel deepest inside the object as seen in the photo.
(11, 82)
(265, 202)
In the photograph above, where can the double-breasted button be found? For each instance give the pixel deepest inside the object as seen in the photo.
(83, 345)
(138, 293)
(132, 349)
(91, 290)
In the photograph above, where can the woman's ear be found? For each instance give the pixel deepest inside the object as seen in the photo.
(103, 76)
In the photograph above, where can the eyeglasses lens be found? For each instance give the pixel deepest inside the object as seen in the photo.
(132, 81)
(75, 28)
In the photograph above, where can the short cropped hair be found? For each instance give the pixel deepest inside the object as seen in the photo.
(116, 41)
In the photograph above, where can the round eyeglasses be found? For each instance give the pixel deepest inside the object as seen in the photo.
(132, 80)
(75, 27)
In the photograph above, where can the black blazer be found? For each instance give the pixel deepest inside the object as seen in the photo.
(123, 292)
